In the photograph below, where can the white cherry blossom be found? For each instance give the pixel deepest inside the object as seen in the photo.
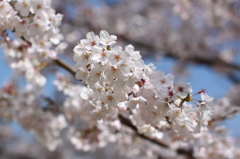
(81, 56)
(182, 89)
(91, 41)
(206, 104)
(7, 15)
(38, 5)
(107, 39)
(118, 57)
(23, 6)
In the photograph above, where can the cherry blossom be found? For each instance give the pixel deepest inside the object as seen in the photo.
(182, 89)
(23, 6)
(91, 40)
(107, 39)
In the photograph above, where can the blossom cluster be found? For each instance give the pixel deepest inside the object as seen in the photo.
(118, 80)
(37, 37)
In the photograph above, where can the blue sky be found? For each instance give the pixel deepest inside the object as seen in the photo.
(6, 71)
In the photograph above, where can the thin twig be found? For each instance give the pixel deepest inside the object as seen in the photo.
(66, 66)
(160, 143)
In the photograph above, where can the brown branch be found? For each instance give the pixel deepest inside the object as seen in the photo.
(234, 77)
(127, 122)
(163, 144)
(66, 66)
(226, 116)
